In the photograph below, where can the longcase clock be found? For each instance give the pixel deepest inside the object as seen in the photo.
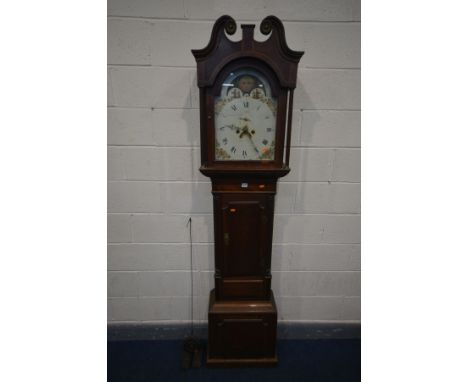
(246, 97)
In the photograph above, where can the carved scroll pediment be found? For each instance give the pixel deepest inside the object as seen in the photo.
(274, 51)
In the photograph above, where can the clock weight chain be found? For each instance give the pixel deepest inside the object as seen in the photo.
(192, 347)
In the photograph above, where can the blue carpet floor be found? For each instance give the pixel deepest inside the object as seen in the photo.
(299, 360)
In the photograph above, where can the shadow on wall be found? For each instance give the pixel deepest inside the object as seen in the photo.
(297, 164)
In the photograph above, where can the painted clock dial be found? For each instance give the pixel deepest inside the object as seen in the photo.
(245, 118)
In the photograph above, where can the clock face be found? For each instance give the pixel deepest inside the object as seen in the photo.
(245, 118)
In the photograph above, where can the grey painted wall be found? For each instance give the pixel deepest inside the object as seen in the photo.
(154, 184)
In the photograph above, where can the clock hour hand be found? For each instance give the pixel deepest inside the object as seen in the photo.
(244, 131)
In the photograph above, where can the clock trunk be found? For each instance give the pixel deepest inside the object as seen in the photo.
(243, 210)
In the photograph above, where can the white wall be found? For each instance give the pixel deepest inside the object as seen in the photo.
(154, 182)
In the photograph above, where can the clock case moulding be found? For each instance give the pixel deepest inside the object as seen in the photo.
(242, 316)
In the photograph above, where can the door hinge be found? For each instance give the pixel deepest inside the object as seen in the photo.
(226, 239)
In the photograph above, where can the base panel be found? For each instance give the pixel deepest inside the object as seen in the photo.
(242, 333)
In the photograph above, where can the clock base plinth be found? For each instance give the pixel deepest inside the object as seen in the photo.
(242, 333)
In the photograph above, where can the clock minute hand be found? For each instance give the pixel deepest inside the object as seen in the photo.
(253, 144)
(232, 127)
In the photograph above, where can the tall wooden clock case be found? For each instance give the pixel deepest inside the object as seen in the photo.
(246, 96)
